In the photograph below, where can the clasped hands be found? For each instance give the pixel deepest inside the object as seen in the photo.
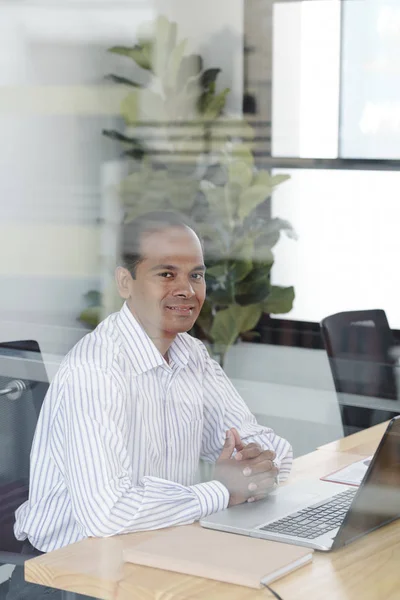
(250, 475)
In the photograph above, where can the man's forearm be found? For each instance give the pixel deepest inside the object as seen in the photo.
(155, 504)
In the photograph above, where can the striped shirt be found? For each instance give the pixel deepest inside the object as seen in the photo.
(120, 435)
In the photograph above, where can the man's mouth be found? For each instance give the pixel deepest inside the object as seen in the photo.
(181, 309)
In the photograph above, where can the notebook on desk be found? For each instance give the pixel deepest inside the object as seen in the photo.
(193, 550)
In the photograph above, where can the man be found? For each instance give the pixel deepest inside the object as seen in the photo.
(134, 406)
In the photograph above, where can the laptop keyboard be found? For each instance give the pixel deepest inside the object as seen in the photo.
(313, 521)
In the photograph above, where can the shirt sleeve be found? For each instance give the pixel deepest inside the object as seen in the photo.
(224, 408)
(99, 473)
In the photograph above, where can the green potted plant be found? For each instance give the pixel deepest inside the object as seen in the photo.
(218, 187)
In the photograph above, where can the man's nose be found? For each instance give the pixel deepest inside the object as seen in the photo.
(184, 288)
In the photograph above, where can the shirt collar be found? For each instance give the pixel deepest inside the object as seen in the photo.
(179, 350)
(141, 351)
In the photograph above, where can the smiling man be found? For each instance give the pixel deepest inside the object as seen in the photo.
(137, 403)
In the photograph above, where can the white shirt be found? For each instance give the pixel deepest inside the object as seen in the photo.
(120, 435)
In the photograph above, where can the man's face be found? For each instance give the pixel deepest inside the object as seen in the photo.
(169, 289)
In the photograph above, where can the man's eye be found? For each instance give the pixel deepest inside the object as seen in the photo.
(198, 276)
(166, 274)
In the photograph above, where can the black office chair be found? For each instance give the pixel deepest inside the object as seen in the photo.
(23, 386)
(358, 345)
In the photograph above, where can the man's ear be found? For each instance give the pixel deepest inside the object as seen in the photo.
(124, 281)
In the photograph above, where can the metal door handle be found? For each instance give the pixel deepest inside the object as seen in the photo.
(14, 390)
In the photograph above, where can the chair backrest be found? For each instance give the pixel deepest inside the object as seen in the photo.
(358, 344)
(21, 370)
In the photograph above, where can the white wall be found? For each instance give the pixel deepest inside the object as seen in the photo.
(53, 106)
(52, 110)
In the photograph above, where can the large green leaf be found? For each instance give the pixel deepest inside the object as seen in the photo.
(93, 298)
(228, 323)
(119, 137)
(255, 287)
(91, 316)
(216, 240)
(263, 254)
(272, 230)
(218, 270)
(251, 198)
(167, 32)
(257, 291)
(174, 65)
(240, 269)
(280, 300)
(159, 189)
(208, 77)
(242, 258)
(263, 177)
(122, 80)
(143, 191)
(278, 179)
(191, 66)
(223, 295)
(205, 318)
(216, 174)
(232, 196)
(165, 41)
(137, 152)
(130, 108)
(240, 173)
(204, 98)
(143, 180)
(216, 105)
(140, 54)
(152, 105)
(243, 153)
(182, 193)
(220, 205)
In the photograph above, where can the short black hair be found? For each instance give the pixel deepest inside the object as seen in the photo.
(148, 223)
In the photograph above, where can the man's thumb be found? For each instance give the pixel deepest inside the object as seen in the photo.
(229, 445)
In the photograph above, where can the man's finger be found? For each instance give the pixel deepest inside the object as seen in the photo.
(259, 483)
(257, 497)
(239, 445)
(250, 451)
(262, 488)
(263, 455)
(229, 446)
(254, 468)
(270, 454)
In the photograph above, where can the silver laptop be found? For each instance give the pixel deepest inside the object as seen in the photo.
(323, 515)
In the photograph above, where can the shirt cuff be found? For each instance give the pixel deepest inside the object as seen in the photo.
(212, 496)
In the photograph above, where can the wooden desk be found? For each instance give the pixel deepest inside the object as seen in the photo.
(363, 443)
(367, 569)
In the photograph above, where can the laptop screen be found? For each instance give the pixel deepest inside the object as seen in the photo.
(378, 498)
